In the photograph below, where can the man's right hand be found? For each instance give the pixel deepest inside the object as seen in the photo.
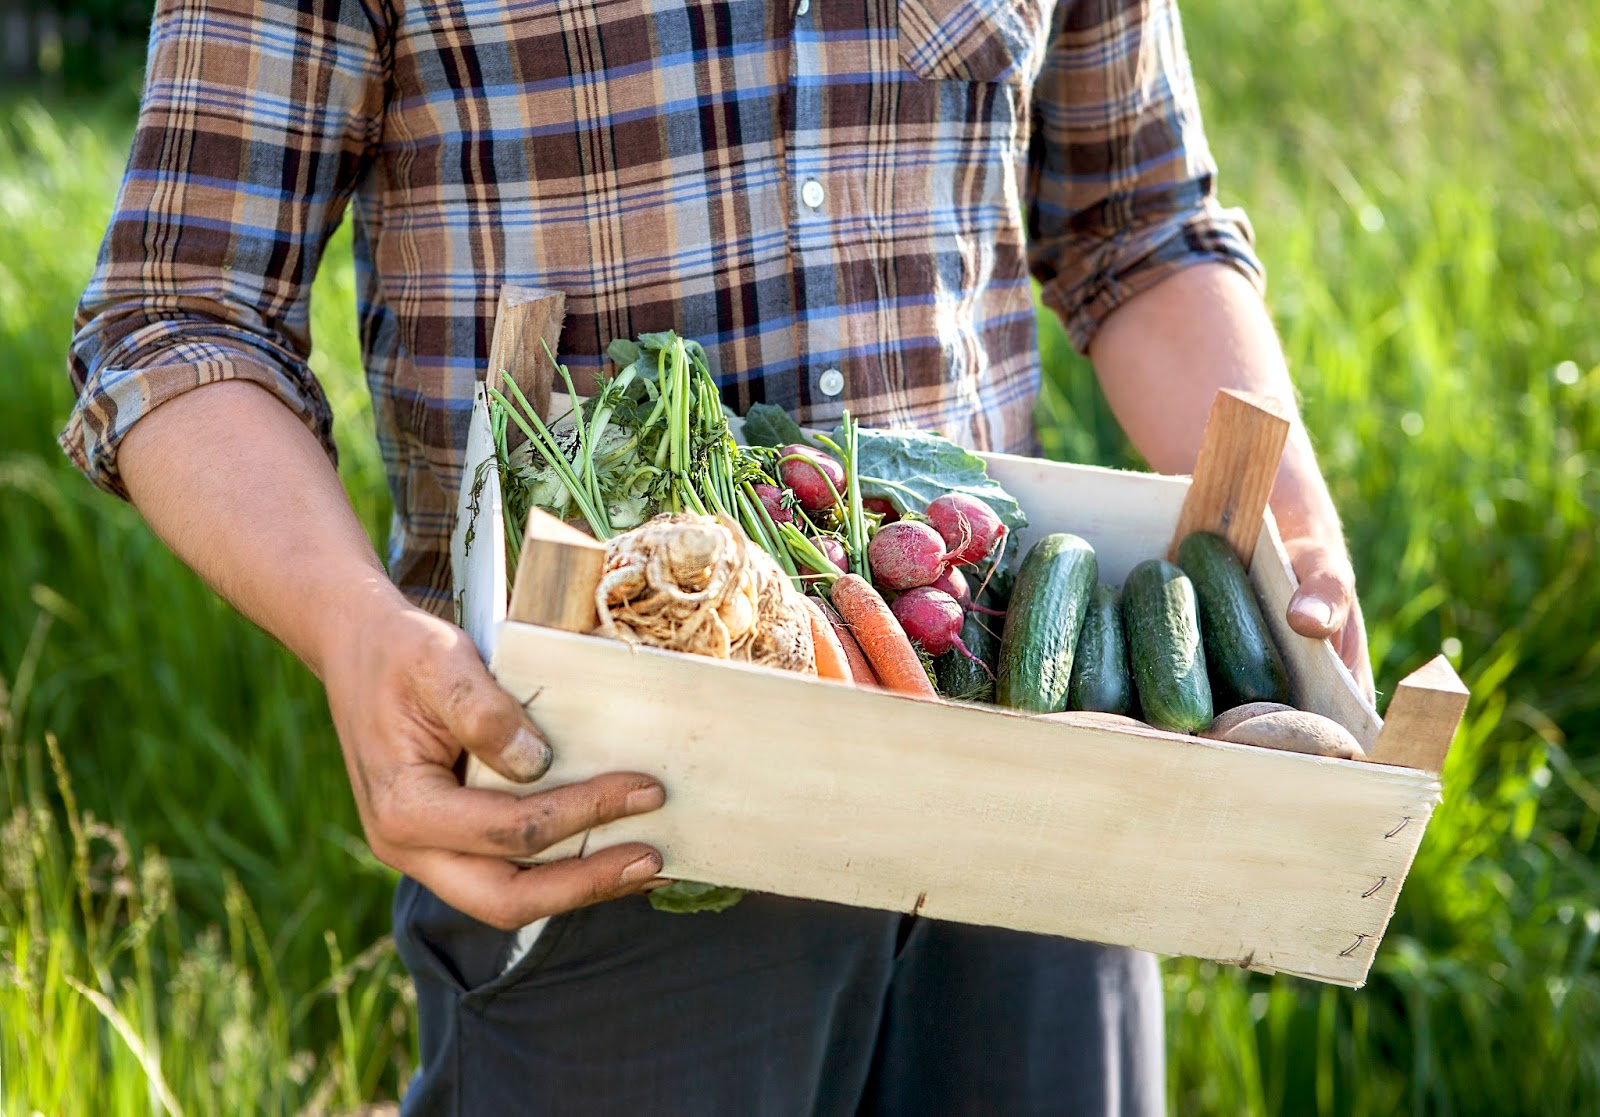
(409, 694)
(241, 491)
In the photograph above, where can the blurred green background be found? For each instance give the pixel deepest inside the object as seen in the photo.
(189, 918)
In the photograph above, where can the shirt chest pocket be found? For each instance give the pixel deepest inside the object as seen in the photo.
(974, 40)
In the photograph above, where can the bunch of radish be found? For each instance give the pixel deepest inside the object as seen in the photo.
(914, 561)
(922, 561)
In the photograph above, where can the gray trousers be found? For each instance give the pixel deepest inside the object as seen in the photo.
(775, 1008)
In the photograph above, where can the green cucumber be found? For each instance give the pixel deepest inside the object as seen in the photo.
(1164, 650)
(1043, 620)
(1245, 664)
(1100, 679)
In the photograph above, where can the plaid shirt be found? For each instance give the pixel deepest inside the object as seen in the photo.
(842, 199)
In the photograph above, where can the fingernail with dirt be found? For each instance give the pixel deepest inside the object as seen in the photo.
(526, 757)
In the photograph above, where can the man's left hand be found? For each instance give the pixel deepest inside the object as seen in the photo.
(1325, 606)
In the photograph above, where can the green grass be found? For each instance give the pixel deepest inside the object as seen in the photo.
(1421, 180)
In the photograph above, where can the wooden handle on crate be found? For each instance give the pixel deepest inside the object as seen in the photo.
(557, 576)
(1422, 717)
(1239, 455)
(528, 319)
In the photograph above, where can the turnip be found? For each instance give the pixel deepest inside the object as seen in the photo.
(808, 472)
(954, 583)
(906, 554)
(880, 506)
(969, 527)
(772, 499)
(933, 619)
(831, 549)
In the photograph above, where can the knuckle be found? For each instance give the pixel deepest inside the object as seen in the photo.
(500, 915)
(392, 823)
(530, 833)
(478, 718)
(387, 853)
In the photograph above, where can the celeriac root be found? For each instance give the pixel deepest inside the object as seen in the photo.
(697, 584)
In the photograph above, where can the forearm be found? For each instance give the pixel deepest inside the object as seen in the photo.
(1162, 356)
(242, 492)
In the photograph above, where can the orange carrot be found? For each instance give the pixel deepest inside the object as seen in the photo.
(878, 632)
(831, 661)
(860, 669)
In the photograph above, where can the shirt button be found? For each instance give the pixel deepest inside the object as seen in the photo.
(811, 193)
(831, 382)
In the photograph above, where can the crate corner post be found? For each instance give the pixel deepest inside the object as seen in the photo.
(1422, 718)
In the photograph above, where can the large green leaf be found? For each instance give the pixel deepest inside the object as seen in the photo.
(911, 468)
(766, 424)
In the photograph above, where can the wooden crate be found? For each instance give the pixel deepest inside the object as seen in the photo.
(1273, 861)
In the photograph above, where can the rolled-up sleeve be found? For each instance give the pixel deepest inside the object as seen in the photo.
(256, 122)
(1121, 184)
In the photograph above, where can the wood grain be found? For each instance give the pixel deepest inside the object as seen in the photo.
(1423, 715)
(528, 319)
(1233, 475)
(557, 575)
(803, 787)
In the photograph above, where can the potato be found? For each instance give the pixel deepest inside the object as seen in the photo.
(1297, 731)
(1230, 718)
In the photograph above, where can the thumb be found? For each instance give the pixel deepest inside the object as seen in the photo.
(490, 724)
(1321, 606)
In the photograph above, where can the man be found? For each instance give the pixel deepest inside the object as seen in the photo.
(831, 197)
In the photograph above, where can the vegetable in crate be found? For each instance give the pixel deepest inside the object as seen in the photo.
(882, 639)
(1100, 677)
(911, 469)
(933, 619)
(906, 554)
(1043, 621)
(1164, 651)
(697, 584)
(1244, 662)
(962, 677)
(815, 479)
(1297, 731)
(970, 528)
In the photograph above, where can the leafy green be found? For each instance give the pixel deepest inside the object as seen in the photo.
(767, 424)
(911, 468)
(683, 896)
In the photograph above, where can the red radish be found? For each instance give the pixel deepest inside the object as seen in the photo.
(968, 526)
(772, 498)
(833, 549)
(933, 619)
(906, 554)
(879, 506)
(808, 472)
(954, 583)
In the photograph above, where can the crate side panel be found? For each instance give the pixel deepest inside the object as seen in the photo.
(1318, 678)
(478, 544)
(1126, 516)
(805, 788)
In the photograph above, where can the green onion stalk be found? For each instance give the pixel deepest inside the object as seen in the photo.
(681, 457)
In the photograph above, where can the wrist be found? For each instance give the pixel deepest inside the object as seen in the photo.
(350, 611)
